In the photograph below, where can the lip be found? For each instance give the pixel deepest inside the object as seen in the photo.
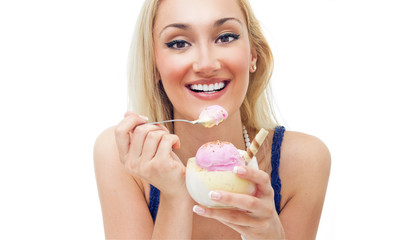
(208, 96)
(208, 81)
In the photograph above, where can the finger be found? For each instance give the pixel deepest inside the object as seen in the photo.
(122, 132)
(243, 202)
(129, 113)
(226, 216)
(260, 178)
(139, 136)
(151, 144)
(168, 142)
(243, 223)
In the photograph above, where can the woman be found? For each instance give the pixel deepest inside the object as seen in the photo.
(186, 55)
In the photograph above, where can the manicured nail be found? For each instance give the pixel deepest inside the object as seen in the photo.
(144, 117)
(239, 170)
(214, 195)
(198, 210)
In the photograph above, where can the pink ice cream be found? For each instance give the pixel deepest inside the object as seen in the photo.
(213, 115)
(212, 170)
(218, 156)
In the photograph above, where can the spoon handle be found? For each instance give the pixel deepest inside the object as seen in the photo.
(173, 120)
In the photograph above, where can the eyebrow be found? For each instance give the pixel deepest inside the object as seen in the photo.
(221, 21)
(217, 23)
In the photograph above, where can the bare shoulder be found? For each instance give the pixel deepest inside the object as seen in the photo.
(106, 157)
(304, 155)
(105, 153)
(304, 171)
(104, 147)
(124, 208)
(107, 161)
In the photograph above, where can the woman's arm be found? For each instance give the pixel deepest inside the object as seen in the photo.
(305, 164)
(126, 153)
(124, 208)
(174, 218)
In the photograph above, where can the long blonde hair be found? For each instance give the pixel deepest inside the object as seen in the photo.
(147, 95)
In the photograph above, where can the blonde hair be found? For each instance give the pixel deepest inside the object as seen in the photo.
(147, 95)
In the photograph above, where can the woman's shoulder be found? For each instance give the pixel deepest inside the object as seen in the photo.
(122, 196)
(304, 146)
(107, 160)
(105, 148)
(106, 137)
(302, 151)
(305, 159)
(304, 171)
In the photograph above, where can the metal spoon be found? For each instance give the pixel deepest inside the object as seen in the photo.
(198, 121)
(206, 117)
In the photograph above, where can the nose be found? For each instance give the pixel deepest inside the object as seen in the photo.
(207, 62)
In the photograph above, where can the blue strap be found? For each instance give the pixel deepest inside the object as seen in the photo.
(153, 201)
(276, 155)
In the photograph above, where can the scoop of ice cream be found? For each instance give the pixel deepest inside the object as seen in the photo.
(212, 115)
(212, 169)
(218, 156)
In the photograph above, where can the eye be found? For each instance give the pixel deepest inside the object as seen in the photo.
(227, 38)
(178, 44)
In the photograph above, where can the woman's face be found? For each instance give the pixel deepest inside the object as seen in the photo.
(203, 54)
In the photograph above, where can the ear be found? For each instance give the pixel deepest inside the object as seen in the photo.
(253, 62)
(254, 56)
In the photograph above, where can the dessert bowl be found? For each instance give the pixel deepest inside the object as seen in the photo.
(215, 172)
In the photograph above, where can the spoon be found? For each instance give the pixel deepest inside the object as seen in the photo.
(210, 116)
(204, 122)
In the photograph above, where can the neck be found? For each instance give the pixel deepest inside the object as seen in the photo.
(193, 136)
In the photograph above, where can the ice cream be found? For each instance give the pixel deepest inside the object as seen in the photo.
(212, 115)
(212, 169)
(218, 156)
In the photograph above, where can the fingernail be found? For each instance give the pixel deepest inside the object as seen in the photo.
(198, 210)
(214, 195)
(239, 170)
(144, 117)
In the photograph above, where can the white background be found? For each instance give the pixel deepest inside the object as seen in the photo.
(339, 75)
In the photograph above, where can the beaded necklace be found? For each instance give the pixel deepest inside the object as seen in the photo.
(246, 138)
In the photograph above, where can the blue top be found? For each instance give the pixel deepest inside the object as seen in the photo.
(275, 180)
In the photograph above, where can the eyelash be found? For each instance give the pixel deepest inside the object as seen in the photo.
(173, 43)
(228, 35)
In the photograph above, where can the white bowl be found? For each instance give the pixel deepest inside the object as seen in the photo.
(200, 182)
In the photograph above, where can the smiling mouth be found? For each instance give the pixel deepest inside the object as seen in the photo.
(208, 88)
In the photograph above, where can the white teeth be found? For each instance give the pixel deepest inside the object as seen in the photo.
(208, 88)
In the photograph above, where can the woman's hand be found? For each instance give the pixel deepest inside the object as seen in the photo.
(146, 152)
(254, 217)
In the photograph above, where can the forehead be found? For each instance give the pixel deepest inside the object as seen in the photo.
(196, 12)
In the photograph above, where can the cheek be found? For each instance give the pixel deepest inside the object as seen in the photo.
(238, 62)
(172, 70)
(171, 67)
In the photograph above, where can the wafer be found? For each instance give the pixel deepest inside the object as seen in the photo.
(255, 145)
